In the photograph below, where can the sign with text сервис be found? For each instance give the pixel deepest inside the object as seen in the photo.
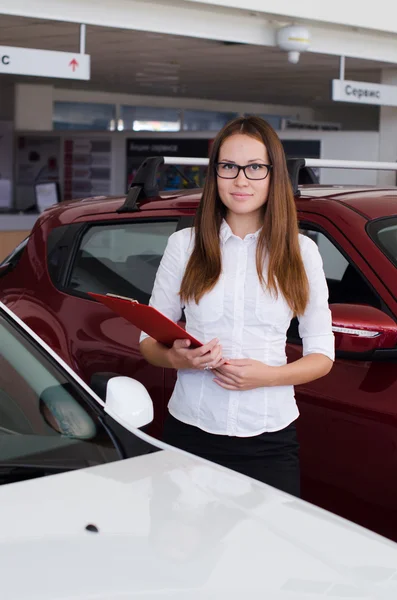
(44, 63)
(362, 92)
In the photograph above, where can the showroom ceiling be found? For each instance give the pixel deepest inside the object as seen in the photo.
(137, 62)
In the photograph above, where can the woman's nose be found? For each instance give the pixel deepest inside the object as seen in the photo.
(241, 178)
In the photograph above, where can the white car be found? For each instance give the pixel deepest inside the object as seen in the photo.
(163, 524)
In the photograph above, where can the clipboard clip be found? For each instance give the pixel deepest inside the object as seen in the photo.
(123, 298)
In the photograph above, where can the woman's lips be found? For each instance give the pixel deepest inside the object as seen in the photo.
(241, 196)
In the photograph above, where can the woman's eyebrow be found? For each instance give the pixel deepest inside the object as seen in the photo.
(250, 161)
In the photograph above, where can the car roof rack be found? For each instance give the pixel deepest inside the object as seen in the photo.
(324, 163)
(300, 171)
(144, 185)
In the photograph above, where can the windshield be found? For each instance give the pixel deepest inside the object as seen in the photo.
(384, 234)
(46, 419)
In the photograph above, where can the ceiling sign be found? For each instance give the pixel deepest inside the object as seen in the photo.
(44, 63)
(362, 92)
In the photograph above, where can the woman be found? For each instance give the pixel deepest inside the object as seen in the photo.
(241, 274)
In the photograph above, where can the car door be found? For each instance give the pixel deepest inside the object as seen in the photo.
(120, 256)
(348, 419)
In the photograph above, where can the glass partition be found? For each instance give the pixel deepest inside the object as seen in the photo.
(83, 116)
(205, 120)
(150, 118)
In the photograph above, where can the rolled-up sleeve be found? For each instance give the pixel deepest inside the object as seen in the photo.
(315, 325)
(165, 295)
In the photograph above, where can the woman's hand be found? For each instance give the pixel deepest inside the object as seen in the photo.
(208, 356)
(244, 374)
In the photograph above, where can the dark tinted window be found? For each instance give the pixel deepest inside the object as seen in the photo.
(45, 417)
(121, 259)
(384, 234)
(346, 285)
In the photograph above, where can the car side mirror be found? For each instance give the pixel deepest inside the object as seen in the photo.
(362, 329)
(128, 402)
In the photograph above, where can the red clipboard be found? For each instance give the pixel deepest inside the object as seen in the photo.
(146, 318)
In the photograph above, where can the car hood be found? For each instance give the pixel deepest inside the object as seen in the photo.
(167, 525)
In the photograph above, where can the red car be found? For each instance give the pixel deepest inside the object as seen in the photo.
(348, 422)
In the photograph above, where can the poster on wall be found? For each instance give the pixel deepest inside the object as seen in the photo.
(169, 177)
(87, 167)
(6, 166)
(37, 161)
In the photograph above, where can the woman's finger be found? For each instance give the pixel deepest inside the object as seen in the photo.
(220, 362)
(205, 349)
(229, 374)
(226, 386)
(210, 359)
(226, 379)
(216, 354)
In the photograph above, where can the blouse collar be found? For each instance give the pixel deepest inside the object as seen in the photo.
(225, 233)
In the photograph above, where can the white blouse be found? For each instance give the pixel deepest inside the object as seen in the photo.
(250, 323)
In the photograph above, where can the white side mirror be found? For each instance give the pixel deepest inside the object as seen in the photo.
(128, 402)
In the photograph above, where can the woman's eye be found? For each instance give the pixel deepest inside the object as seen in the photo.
(228, 167)
(255, 167)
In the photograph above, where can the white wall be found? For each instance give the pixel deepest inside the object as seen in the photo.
(347, 145)
(388, 131)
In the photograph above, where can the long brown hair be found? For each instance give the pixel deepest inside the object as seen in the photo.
(278, 236)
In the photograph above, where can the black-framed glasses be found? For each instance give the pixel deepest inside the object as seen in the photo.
(228, 170)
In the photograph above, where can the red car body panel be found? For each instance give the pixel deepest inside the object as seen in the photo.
(348, 423)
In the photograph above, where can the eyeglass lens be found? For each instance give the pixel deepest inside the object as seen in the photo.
(253, 171)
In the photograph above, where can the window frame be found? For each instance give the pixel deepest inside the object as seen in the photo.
(304, 224)
(70, 239)
(80, 392)
(372, 229)
(124, 442)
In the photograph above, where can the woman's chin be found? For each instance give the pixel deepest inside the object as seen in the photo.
(243, 208)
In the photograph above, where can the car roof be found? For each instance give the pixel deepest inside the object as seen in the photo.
(372, 202)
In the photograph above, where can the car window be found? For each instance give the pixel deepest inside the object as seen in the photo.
(121, 258)
(384, 234)
(345, 283)
(45, 418)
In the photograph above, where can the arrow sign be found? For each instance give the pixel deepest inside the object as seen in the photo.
(44, 63)
(74, 64)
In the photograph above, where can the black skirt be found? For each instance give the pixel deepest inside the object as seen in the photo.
(271, 457)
